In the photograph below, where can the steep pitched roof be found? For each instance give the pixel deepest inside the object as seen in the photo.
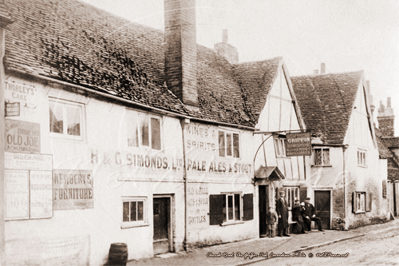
(326, 103)
(75, 42)
(391, 142)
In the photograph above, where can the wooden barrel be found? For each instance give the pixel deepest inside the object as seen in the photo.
(117, 254)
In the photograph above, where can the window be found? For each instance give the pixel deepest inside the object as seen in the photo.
(229, 144)
(361, 158)
(292, 195)
(279, 147)
(227, 208)
(361, 202)
(66, 119)
(134, 211)
(143, 130)
(322, 156)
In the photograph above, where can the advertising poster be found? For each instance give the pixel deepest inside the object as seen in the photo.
(16, 194)
(22, 136)
(41, 192)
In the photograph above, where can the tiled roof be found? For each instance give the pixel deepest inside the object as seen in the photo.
(5, 18)
(326, 102)
(391, 142)
(78, 43)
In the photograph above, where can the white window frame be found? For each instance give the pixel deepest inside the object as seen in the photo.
(225, 132)
(291, 192)
(362, 158)
(279, 147)
(234, 211)
(148, 116)
(144, 222)
(359, 203)
(64, 135)
(322, 161)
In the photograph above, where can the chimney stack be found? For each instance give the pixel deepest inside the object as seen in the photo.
(315, 72)
(181, 51)
(226, 50)
(323, 68)
(386, 119)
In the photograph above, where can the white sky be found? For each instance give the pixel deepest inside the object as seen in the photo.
(347, 35)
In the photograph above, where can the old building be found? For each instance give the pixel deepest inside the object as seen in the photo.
(347, 173)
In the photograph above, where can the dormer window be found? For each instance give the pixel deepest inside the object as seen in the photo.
(321, 156)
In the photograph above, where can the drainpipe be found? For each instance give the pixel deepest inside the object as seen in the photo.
(183, 123)
(343, 176)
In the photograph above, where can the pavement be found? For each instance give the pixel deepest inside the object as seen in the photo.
(255, 250)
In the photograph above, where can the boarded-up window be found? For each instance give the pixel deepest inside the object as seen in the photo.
(248, 206)
(216, 203)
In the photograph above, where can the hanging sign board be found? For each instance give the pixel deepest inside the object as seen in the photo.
(298, 144)
(12, 109)
(22, 136)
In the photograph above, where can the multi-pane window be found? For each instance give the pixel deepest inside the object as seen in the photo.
(279, 147)
(292, 195)
(66, 119)
(362, 202)
(143, 130)
(229, 144)
(361, 158)
(321, 156)
(133, 210)
(227, 208)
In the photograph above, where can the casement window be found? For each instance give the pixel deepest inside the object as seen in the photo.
(225, 208)
(229, 144)
(321, 156)
(361, 158)
(66, 119)
(292, 194)
(279, 147)
(361, 202)
(134, 211)
(143, 130)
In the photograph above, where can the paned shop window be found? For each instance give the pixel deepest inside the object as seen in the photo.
(279, 147)
(66, 119)
(321, 156)
(143, 130)
(361, 158)
(229, 144)
(134, 211)
(225, 208)
(292, 195)
(361, 202)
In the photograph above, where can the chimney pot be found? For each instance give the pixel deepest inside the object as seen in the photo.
(225, 37)
(389, 102)
(322, 68)
(316, 71)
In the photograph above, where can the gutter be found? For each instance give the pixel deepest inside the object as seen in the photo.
(107, 95)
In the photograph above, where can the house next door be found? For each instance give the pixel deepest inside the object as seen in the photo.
(323, 207)
(161, 225)
(263, 209)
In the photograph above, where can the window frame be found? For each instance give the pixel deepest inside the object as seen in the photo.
(231, 133)
(322, 160)
(138, 115)
(290, 196)
(64, 134)
(279, 147)
(362, 158)
(144, 222)
(233, 195)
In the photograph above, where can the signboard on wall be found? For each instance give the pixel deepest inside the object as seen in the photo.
(22, 93)
(22, 136)
(198, 206)
(12, 109)
(16, 194)
(298, 144)
(72, 189)
(23, 161)
(41, 194)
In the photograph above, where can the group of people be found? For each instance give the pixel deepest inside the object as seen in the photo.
(302, 213)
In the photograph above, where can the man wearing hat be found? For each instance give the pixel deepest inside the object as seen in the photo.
(309, 215)
(282, 212)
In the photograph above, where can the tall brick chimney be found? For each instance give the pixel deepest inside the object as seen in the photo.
(181, 51)
(322, 68)
(227, 50)
(385, 119)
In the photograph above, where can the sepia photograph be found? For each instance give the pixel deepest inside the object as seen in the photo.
(199, 132)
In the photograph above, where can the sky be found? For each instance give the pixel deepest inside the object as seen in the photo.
(346, 35)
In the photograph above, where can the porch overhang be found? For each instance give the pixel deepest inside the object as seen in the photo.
(271, 173)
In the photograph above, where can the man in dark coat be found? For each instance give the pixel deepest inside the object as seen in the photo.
(282, 212)
(309, 215)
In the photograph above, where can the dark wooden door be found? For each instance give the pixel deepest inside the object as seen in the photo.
(323, 207)
(161, 225)
(263, 209)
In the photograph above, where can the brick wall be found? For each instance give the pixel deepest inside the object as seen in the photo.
(181, 50)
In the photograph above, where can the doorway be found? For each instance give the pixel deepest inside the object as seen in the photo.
(263, 209)
(323, 207)
(162, 232)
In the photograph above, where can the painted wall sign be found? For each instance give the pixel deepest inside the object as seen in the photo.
(16, 194)
(23, 161)
(41, 194)
(22, 136)
(298, 144)
(72, 251)
(12, 109)
(17, 92)
(72, 189)
(198, 206)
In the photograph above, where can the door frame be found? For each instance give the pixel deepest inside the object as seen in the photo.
(267, 204)
(331, 200)
(171, 216)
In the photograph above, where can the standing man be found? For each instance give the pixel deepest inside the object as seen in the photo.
(310, 215)
(282, 212)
